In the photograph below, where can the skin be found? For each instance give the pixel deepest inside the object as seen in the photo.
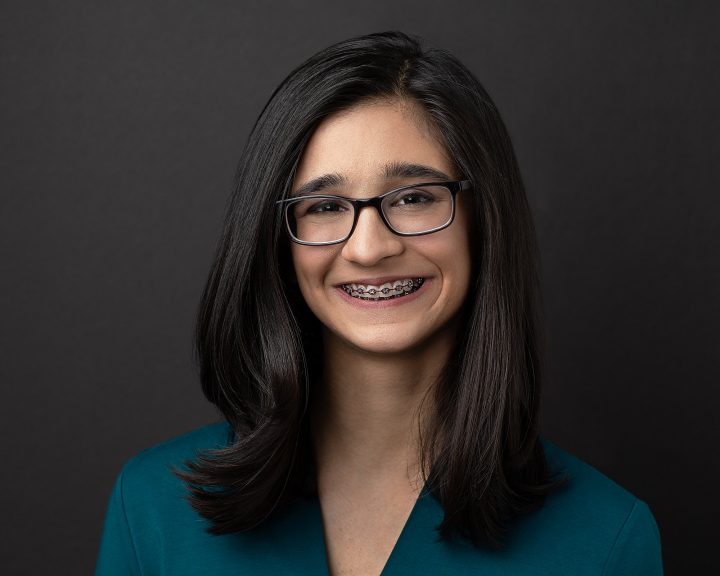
(378, 363)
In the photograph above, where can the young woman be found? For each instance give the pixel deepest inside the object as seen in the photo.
(370, 332)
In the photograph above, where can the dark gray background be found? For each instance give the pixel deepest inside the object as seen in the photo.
(121, 126)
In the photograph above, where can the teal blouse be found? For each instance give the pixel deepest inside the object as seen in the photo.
(592, 526)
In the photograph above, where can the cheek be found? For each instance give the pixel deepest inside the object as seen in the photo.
(311, 264)
(301, 264)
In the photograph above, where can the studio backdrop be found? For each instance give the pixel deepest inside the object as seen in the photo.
(121, 126)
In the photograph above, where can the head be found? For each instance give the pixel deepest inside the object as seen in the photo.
(375, 146)
(260, 326)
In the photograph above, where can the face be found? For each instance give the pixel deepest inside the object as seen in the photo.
(358, 145)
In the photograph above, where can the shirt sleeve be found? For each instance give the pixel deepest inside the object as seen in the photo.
(117, 555)
(637, 549)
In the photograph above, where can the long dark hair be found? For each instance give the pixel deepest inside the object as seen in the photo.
(258, 345)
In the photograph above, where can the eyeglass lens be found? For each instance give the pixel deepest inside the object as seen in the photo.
(409, 211)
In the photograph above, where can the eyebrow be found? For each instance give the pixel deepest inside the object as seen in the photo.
(407, 170)
(392, 170)
(320, 183)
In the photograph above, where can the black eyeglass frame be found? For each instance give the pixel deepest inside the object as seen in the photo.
(360, 203)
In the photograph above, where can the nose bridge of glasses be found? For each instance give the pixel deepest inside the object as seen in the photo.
(375, 203)
(371, 238)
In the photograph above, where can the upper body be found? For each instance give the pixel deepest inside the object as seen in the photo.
(591, 527)
(375, 297)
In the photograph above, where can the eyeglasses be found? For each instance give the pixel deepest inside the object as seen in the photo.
(414, 210)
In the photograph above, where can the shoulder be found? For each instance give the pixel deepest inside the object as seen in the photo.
(148, 478)
(177, 450)
(594, 519)
(149, 516)
(587, 487)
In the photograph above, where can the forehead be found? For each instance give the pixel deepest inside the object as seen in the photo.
(359, 143)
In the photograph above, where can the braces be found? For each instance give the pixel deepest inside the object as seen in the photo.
(406, 287)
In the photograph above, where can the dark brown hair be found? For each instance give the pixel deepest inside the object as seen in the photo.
(259, 346)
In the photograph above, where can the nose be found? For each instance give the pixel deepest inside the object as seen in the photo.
(371, 241)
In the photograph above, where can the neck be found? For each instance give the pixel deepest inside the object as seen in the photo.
(367, 412)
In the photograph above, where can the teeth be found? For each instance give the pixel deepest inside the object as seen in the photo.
(394, 289)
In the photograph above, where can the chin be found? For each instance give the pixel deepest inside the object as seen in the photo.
(381, 349)
(379, 341)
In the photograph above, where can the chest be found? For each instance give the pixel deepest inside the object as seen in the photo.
(361, 532)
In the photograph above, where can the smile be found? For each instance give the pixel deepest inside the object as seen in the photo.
(387, 291)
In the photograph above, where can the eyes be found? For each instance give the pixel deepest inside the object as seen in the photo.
(406, 199)
(414, 197)
(326, 206)
(409, 211)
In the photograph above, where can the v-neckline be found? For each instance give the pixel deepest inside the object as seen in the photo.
(317, 509)
(311, 490)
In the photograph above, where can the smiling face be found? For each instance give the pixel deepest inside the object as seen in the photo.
(369, 149)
